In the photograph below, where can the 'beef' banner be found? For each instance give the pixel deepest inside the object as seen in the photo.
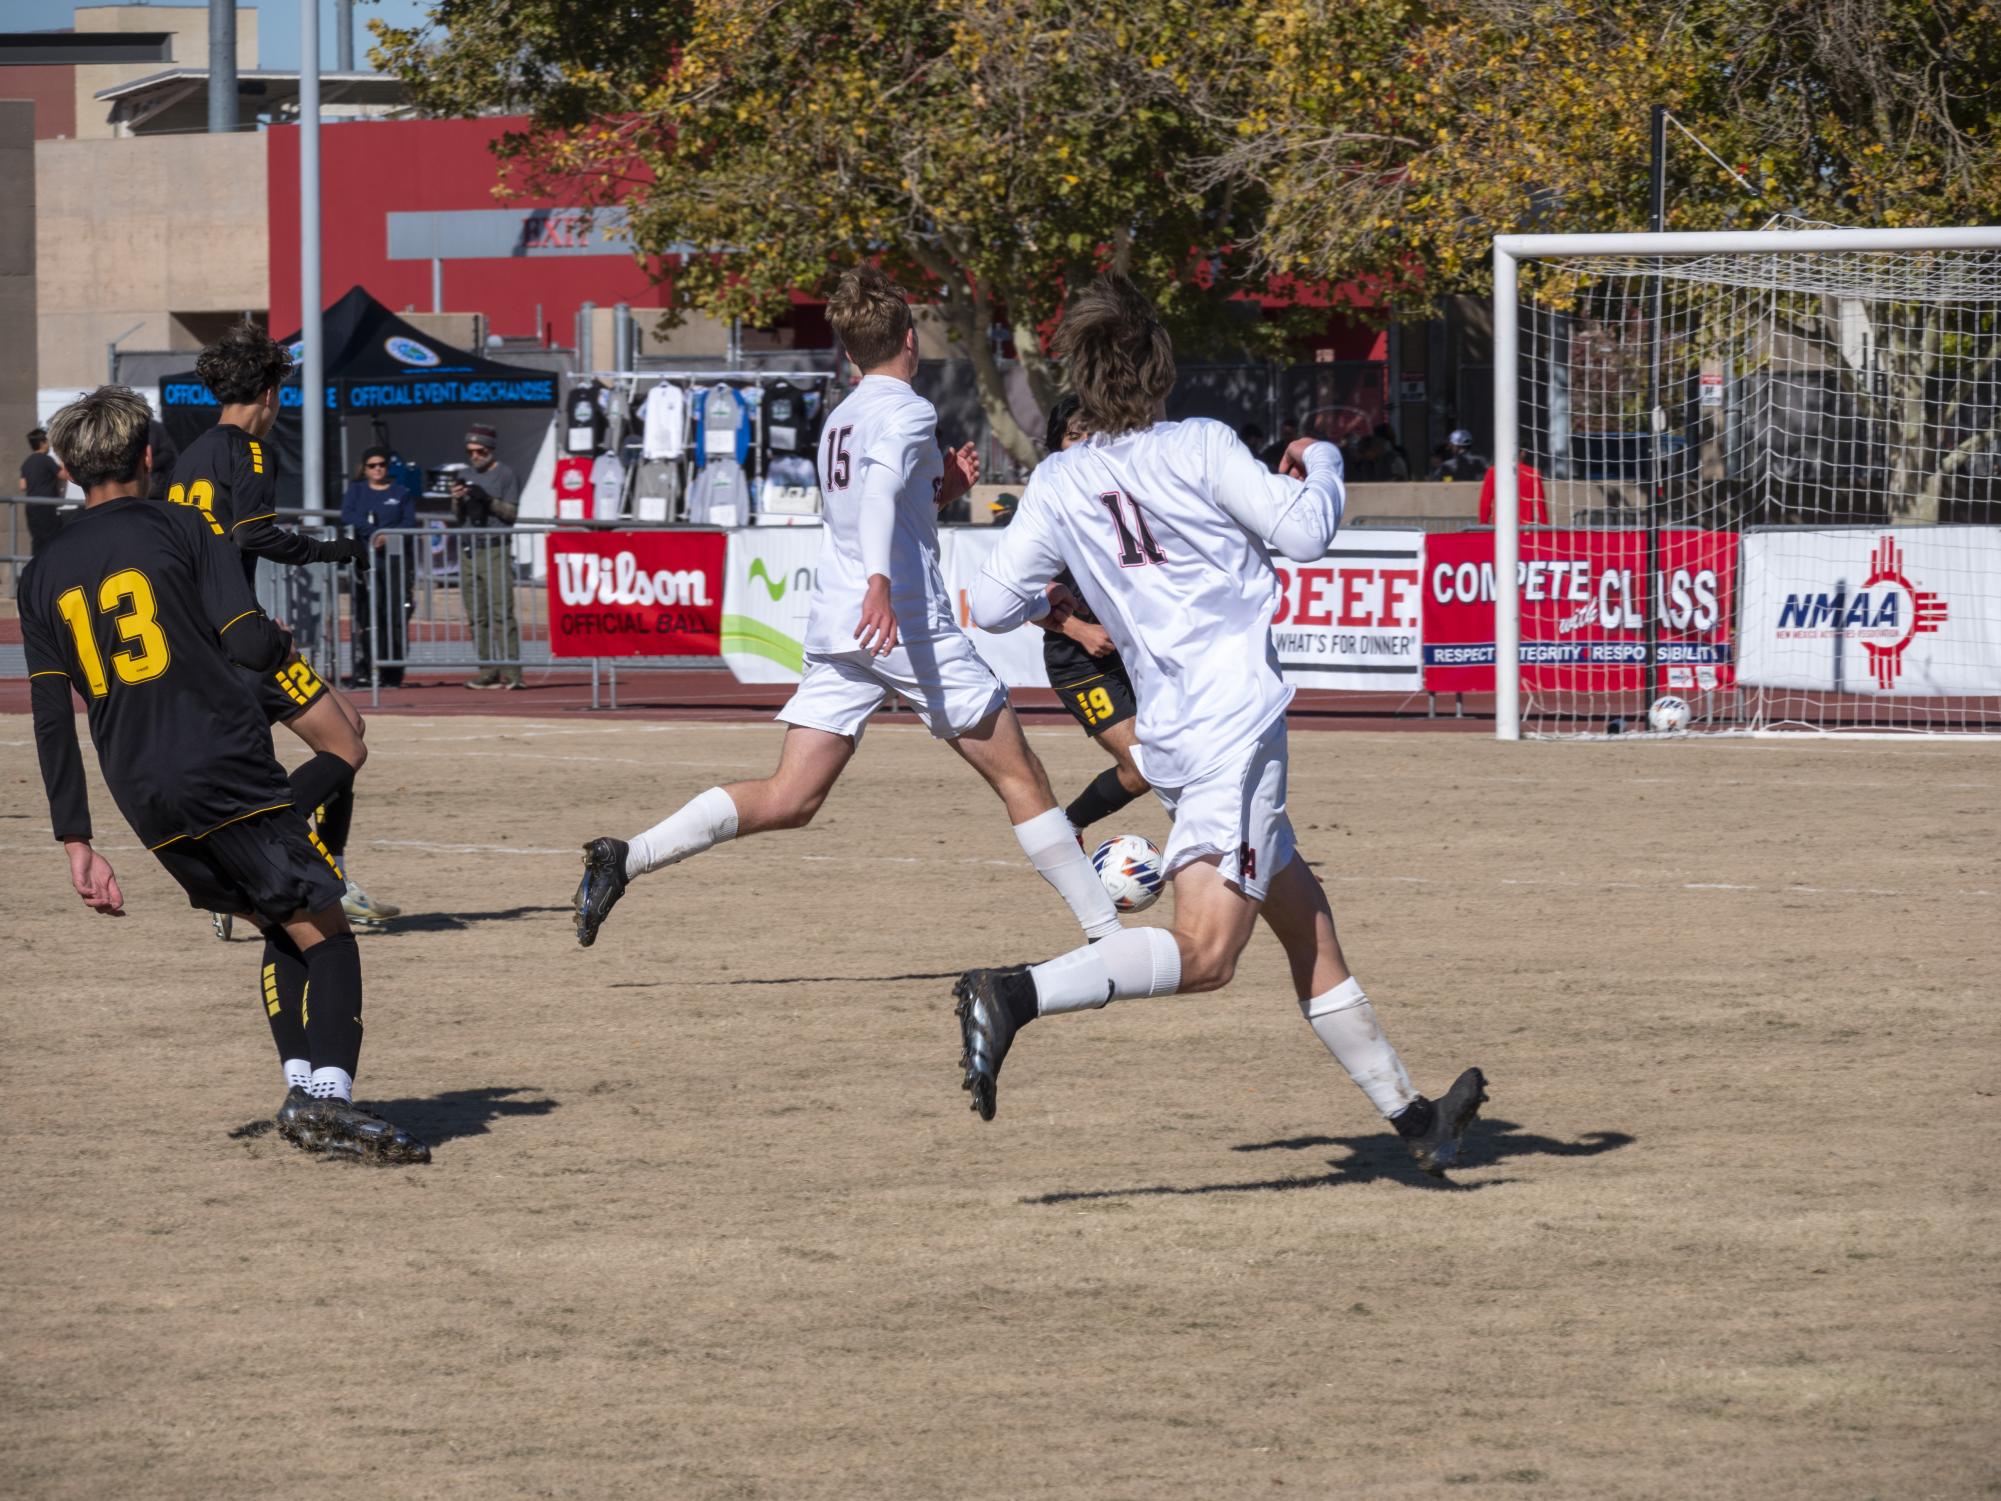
(1353, 619)
(1583, 598)
(636, 594)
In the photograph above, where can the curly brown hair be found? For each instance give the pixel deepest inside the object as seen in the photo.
(869, 313)
(1121, 360)
(243, 364)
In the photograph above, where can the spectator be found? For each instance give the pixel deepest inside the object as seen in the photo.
(1288, 431)
(382, 593)
(43, 478)
(1441, 455)
(1460, 462)
(1534, 507)
(1395, 460)
(1253, 437)
(485, 495)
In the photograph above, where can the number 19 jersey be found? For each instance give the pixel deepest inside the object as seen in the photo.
(1169, 532)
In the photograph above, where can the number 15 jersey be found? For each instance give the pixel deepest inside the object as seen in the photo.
(1170, 533)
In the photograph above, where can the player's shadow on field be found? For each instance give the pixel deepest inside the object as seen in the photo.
(440, 1117)
(952, 974)
(1376, 1157)
(455, 922)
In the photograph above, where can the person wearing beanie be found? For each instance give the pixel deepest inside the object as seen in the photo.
(485, 496)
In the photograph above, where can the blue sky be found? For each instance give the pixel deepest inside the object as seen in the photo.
(277, 25)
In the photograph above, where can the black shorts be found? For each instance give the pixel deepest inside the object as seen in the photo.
(286, 693)
(1103, 699)
(271, 864)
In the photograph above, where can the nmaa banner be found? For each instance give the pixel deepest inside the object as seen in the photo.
(1878, 610)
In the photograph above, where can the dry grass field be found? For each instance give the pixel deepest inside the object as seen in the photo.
(709, 1216)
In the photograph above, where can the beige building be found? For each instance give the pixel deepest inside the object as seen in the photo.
(189, 25)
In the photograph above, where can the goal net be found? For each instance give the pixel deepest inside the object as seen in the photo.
(1757, 473)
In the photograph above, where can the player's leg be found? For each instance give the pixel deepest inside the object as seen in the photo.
(1114, 788)
(1334, 1004)
(998, 750)
(323, 788)
(809, 763)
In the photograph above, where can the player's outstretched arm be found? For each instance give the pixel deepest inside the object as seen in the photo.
(1294, 514)
(880, 484)
(1014, 585)
(62, 762)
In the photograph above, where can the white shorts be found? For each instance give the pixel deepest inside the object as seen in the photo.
(1236, 812)
(943, 679)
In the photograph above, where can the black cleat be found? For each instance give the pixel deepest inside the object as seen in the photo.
(603, 884)
(990, 1003)
(295, 1122)
(1433, 1129)
(346, 1128)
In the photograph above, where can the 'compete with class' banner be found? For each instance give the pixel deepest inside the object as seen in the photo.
(636, 594)
(1583, 626)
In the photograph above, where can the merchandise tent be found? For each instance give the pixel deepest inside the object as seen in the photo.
(387, 382)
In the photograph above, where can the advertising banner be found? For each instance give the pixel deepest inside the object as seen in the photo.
(1583, 603)
(767, 596)
(1015, 656)
(636, 594)
(1355, 619)
(1873, 610)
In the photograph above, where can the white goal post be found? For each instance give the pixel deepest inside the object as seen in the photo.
(1822, 404)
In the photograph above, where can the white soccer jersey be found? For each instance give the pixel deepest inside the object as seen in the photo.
(880, 469)
(1170, 534)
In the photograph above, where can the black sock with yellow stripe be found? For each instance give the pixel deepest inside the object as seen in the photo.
(333, 1003)
(336, 819)
(283, 981)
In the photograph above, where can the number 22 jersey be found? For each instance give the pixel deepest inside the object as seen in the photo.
(1170, 532)
(132, 606)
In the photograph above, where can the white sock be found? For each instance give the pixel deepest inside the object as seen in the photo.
(701, 823)
(298, 1073)
(1051, 846)
(1132, 962)
(1344, 1020)
(331, 1084)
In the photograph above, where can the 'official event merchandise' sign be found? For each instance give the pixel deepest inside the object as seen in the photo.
(1354, 619)
(1877, 610)
(636, 594)
(1583, 610)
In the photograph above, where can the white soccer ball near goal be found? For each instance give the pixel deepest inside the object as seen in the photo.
(1129, 865)
(1669, 715)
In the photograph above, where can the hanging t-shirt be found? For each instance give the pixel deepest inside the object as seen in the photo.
(583, 423)
(607, 487)
(720, 495)
(788, 424)
(666, 419)
(722, 425)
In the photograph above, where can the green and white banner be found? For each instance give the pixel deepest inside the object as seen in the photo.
(767, 595)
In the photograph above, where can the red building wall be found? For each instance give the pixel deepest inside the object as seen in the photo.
(369, 169)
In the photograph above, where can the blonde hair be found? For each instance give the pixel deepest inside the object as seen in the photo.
(1121, 361)
(869, 313)
(101, 438)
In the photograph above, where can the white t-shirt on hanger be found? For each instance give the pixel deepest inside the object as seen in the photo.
(665, 434)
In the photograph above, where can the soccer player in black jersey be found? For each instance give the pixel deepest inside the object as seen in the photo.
(1085, 670)
(139, 609)
(228, 477)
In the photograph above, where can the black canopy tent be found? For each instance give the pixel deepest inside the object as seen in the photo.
(388, 382)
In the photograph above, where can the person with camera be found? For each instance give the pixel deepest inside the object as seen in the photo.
(485, 496)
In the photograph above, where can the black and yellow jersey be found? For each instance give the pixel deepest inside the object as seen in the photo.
(226, 476)
(139, 608)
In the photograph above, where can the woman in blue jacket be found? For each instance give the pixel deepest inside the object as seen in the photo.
(373, 503)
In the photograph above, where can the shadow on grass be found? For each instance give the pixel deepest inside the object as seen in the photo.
(437, 1118)
(1379, 1156)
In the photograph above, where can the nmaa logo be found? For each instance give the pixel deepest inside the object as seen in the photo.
(588, 578)
(1886, 614)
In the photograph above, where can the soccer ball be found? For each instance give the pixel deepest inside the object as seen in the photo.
(1669, 715)
(1129, 865)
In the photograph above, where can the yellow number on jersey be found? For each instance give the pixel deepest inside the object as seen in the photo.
(200, 495)
(138, 626)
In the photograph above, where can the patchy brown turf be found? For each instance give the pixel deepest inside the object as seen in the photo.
(709, 1217)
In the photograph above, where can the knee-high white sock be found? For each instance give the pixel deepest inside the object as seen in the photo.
(700, 823)
(1132, 962)
(1344, 1020)
(1051, 846)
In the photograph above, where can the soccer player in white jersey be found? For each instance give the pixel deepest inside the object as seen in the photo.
(881, 621)
(1169, 528)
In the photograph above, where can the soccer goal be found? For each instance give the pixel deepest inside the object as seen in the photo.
(1763, 479)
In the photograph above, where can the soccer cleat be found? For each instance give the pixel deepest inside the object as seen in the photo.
(343, 1127)
(361, 907)
(295, 1122)
(223, 924)
(986, 1030)
(603, 884)
(1435, 1141)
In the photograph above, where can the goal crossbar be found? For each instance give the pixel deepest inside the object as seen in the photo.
(1509, 252)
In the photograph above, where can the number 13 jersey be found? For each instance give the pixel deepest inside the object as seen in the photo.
(1170, 532)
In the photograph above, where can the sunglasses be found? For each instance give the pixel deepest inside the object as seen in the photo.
(376, 464)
